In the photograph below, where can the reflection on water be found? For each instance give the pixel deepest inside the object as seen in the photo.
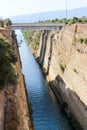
(46, 111)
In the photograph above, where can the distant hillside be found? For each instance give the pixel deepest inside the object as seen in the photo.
(29, 18)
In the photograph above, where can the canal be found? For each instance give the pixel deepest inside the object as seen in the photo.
(46, 110)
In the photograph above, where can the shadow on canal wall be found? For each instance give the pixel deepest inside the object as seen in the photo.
(58, 87)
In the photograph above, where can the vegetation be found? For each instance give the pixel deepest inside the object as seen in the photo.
(74, 40)
(55, 21)
(83, 40)
(67, 21)
(7, 59)
(33, 39)
(75, 70)
(5, 22)
(79, 40)
(28, 34)
(73, 20)
(1, 23)
(62, 67)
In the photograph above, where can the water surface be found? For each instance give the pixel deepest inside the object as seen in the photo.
(46, 111)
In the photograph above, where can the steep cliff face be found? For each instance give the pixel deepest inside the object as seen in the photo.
(6, 32)
(64, 57)
(14, 112)
(22, 102)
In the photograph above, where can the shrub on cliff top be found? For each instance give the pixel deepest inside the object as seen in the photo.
(73, 20)
(1, 23)
(7, 22)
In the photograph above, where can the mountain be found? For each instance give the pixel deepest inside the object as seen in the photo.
(29, 18)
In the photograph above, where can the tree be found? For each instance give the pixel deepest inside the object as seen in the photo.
(73, 20)
(84, 19)
(7, 22)
(7, 59)
(1, 23)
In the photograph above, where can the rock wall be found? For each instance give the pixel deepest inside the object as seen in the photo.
(22, 103)
(2, 109)
(6, 32)
(65, 63)
(14, 107)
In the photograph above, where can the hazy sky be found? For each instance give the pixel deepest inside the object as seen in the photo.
(16, 7)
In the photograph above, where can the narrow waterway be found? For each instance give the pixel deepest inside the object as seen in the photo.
(46, 111)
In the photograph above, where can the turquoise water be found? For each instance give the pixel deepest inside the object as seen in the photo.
(46, 111)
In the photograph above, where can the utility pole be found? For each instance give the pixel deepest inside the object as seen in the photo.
(66, 12)
(66, 9)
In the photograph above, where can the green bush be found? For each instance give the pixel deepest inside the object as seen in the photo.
(81, 40)
(62, 67)
(7, 22)
(85, 40)
(66, 21)
(32, 39)
(75, 70)
(74, 40)
(12, 78)
(73, 20)
(1, 23)
(7, 59)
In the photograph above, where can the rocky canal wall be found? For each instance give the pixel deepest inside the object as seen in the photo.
(63, 57)
(14, 104)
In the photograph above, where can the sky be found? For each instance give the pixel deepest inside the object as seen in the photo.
(18, 7)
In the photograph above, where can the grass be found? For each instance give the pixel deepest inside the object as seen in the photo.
(33, 39)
